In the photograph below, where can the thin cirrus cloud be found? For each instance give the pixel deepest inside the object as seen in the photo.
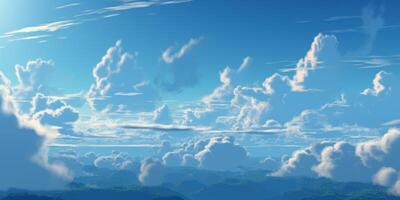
(182, 69)
(125, 6)
(43, 28)
(169, 57)
(25, 33)
(68, 6)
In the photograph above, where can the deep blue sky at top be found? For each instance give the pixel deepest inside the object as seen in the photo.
(268, 31)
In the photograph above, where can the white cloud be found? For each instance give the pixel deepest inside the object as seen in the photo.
(182, 69)
(32, 78)
(341, 163)
(221, 153)
(216, 107)
(115, 161)
(49, 27)
(162, 115)
(172, 159)
(301, 161)
(151, 172)
(119, 84)
(68, 5)
(131, 5)
(386, 176)
(378, 87)
(53, 111)
(246, 63)
(169, 57)
(323, 49)
(374, 161)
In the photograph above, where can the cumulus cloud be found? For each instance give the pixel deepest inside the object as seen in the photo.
(302, 161)
(341, 163)
(151, 172)
(217, 108)
(237, 105)
(216, 153)
(23, 147)
(115, 161)
(54, 112)
(378, 87)
(76, 163)
(373, 161)
(188, 160)
(386, 176)
(31, 78)
(162, 115)
(221, 153)
(119, 84)
(172, 159)
(70, 160)
(323, 51)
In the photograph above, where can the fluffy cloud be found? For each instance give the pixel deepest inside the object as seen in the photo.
(386, 176)
(382, 151)
(76, 163)
(323, 50)
(378, 87)
(23, 153)
(222, 154)
(341, 163)
(115, 161)
(188, 160)
(172, 159)
(302, 161)
(372, 161)
(119, 84)
(216, 153)
(32, 79)
(162, 115)
(70, 160)
(151, 172)
(281, 97)
(216, 108)
(54, 112)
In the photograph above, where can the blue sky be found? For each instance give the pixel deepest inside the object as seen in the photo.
(175, 53)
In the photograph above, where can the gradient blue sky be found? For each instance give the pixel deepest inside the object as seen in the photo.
(273, 35)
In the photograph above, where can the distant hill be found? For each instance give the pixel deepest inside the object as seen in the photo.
(190, 184)
(137, 193)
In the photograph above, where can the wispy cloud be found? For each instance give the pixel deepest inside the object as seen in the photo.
(160, 127)
(49, 27)
(169, 57)
(246, 62)
(175, 2)
(338, 18)
(111, 15)
(131, 5)
(109, 11)
(34, 37)
(68, 5)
